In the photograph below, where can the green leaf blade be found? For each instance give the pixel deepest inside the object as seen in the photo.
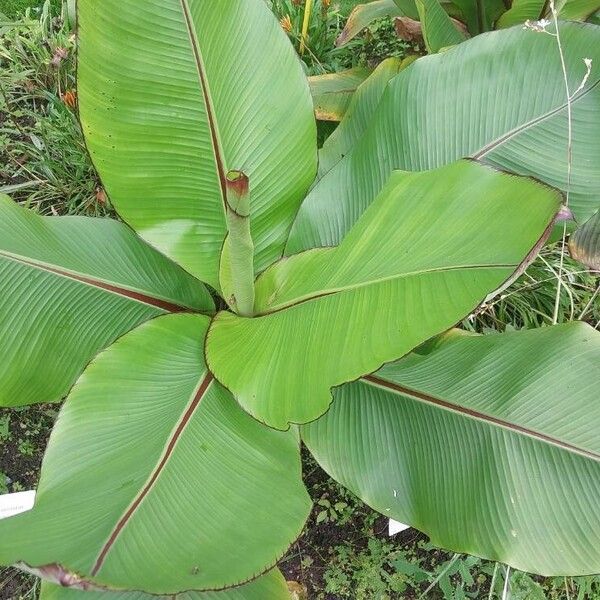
(333, 92)
(438, 29)
(154, 475)
(473, 449)
(437, 118)
(70, 287)
(164, 163)
(359, 113)
(584, 244)
(271, 586)
(325, 306)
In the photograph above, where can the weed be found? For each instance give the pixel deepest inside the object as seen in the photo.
(26, 447)
(42, 153)
(380, 41)
(530, 302)
(5, 428)
(14, 8)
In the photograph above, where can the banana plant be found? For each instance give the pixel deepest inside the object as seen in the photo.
(195, 355)
(445, 23)
(478, 99)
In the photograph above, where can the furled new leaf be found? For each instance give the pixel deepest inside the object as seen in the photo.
(69, 287)
(489, 445)
(478, 99)
(271, 586)
(155, 480)
(330, 315)
(584, 244)
(172, 96)
(333, 92)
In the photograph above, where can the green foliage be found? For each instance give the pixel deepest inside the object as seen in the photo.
(208, 148)
(43, 161)
(326, 21)
(377, 42)
(15, 8)
(380, 41)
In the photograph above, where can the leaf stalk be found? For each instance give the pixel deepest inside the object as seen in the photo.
(241, 246)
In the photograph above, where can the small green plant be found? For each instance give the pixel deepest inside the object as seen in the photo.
(4, 428)
(231, 319)
(43, 161)
(14, 8)
(26, 447)
(369, 574)
(333, 513)
(325, 24)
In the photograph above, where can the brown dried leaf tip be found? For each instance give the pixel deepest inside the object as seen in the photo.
(297, 591)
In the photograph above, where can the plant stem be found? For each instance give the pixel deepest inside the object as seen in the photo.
(305, 24)
(569, 158)
(492, 585)
(590, 303)
(241, 246)
(440, 575)
(506, 590)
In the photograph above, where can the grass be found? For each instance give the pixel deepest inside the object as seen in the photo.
(43, 161)
(345, 552)
(15, 8)
(327, 20)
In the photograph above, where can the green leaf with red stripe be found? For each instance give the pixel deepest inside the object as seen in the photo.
(69, 287)
(479, 99)
(271, 586)
(330, 315)
(155, 480)
(488, 444)
(172, 96)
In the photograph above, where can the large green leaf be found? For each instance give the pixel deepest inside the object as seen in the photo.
(521, 11)
(584, 244)
(479, 99)
(488, 444)
(69, 287)
(438, 29)
(173, 95)
(358, 114)
(332, 93)
(330, 315)
(271, 586)
(155, 480)
(479, 15)
(578, 10)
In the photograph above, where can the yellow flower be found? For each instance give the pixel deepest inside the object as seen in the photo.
(286, 23)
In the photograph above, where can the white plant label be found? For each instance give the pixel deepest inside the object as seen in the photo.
(14, 504)
(396, 527)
